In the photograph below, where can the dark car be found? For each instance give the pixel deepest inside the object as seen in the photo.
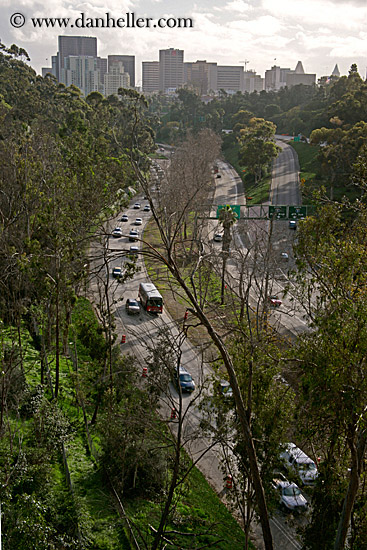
(132, 306)
(185, 381)
(124, 218)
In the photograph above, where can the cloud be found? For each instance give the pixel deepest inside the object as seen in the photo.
(236, 6)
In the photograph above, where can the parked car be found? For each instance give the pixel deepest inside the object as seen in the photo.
(292, 224)
(284, 256)
(290, 495)
(124, 218)
(301, 464)
(219, 176)
(146, 208)
(117, 272)
(117, 232)
(133, 235)
(138, 221)
(274, 301)
(132, 306)
(136, 206)
(185, 380)
(218, 237)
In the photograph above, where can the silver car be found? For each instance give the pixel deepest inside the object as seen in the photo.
(132, 306)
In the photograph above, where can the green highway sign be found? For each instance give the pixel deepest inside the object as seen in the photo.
(235, 207)
(297, 212)
(278, 212)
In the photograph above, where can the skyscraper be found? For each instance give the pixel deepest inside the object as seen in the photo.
(75, 46)
(171, 70)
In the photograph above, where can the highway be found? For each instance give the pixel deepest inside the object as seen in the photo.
(142, 331)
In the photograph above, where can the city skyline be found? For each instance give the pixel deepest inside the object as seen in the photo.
(257, 34)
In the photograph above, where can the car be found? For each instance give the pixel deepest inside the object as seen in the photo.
(134, 249)
(274, 301)
(225, 389)
(117, 232)
(301, 464)
(218, 237)
(218, 176)
(185, 380)
(136, 206)
(284, 256)
(290, 495)
(124, 218)
(117, 272)
(138, 221)
(292, 224)
(162, 149)
(133, 235)
(147, 208)
(132, 306)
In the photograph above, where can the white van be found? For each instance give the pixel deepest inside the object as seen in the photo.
(295, 459)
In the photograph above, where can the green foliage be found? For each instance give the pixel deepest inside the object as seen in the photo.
(257, 146)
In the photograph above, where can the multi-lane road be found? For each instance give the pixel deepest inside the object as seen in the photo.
(142, 331)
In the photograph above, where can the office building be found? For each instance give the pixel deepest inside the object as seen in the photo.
(128, 62)
(115, 78)
(150, 76)
(201, 76)
(75, 46)
(171, 70)
(102, 67)
(230, 78)
(275, 78)
(253, 82)
(82, 72)
(298, 76)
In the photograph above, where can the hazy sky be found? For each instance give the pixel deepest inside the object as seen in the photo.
(320, 33)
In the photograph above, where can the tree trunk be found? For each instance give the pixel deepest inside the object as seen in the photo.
(173, 484)
(57, 340)
(245, 428)
(357, 460)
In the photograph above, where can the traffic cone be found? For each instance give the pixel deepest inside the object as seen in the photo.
(145, 372)
(173, 413)
(229, 482)
(186, 315)
(123, 339)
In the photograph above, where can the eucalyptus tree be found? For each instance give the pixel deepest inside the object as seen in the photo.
(332, 273)
(185, 281)
(257, 146)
